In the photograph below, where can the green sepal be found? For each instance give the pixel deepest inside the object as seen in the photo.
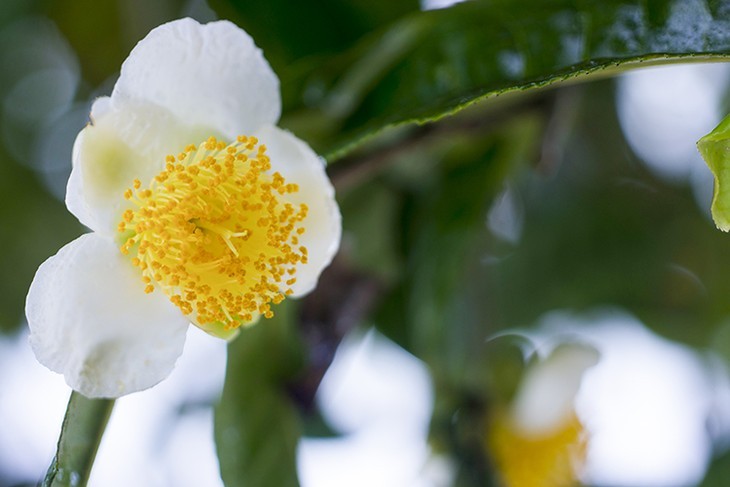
(219, 330)
(715, 149)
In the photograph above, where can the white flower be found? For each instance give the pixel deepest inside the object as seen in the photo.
(185, 228)
(545, 399)
(538, 440)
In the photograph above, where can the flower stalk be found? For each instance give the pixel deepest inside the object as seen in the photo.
(81, 433)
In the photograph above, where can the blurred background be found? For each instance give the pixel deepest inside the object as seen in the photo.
(473, 247)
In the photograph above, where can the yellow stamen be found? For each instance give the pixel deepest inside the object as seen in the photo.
(551, 459)
(215, 231)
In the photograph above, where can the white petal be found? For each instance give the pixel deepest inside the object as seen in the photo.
(298, 163)
(212, 75)
(90, 320)
(100, 107)
(122, 143)
(546, 398)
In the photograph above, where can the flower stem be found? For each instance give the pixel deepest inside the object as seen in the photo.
(81, 432)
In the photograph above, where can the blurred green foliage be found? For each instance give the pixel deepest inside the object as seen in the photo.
(256, 425)
(309, 31)
(604, 230)
(34, 226)
(599, 229)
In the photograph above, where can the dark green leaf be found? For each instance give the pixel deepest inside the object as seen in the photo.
(435, 63)
(83, 427)
(256, 426)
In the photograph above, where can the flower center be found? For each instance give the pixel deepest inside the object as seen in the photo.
(523, 459)
(216, 233)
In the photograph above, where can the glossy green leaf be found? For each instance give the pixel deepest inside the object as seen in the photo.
(435, 63)
(81, 432)
(256, 425)
(715, 149)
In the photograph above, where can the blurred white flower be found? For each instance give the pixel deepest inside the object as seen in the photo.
(538, 440)
(212, 234)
